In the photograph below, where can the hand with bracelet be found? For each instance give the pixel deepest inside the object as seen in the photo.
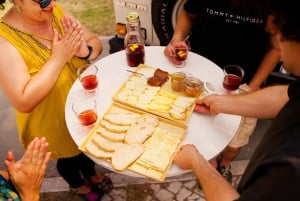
(85, 50)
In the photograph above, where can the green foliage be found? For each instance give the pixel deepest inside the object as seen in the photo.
(97, 15)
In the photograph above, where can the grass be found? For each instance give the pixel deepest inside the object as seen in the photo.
(97, 15)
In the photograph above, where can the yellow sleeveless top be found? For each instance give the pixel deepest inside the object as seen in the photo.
(48, 117)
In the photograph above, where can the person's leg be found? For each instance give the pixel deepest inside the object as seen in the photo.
(228, 154)
(87, 169)
(86, 165)
(214, 162)
(69, 169)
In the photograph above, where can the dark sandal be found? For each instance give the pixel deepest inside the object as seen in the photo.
(224, 171)
(105, 185)
(90, 196)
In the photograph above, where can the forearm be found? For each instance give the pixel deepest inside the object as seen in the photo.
(214, 186)
(184, 26)
(264, 103)
(34, 197)
(96, 44)
(266, 66)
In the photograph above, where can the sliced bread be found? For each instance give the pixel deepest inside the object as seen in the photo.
(94, 150)
(139, 133)
(114, 128)
(126, 155)
(105, 144)
(112, 136)
(121, 119)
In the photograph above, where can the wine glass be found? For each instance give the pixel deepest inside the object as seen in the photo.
(87, 75)
(180, 49)
(86, 111)
(233, 75)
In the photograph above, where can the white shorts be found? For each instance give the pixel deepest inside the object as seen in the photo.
(246, 128)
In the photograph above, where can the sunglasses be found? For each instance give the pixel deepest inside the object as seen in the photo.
(43, 3)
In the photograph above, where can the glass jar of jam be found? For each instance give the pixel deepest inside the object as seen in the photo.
(193, 87)
(178, 80)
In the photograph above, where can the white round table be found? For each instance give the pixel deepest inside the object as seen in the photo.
(210, 134)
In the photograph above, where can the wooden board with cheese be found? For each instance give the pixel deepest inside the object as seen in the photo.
(135, 140)
(158, 100)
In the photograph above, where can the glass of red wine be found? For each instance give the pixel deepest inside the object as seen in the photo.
(87, 75)
(86, 111)
(233, 75)
(180, 48)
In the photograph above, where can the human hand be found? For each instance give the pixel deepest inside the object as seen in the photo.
(169, 52)
(27, 174)
(208, 105)
(65, 46)
(67, 24)
(185, 156)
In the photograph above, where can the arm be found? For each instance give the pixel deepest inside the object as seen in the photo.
(25, 91)
(27, 174)
(182, 30)
(214, 186)
(267, 65)
(184, 25)
(264, 103)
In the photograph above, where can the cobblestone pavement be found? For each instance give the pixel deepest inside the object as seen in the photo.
(179, 188)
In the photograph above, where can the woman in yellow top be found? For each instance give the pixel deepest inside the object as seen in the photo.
(42, 46)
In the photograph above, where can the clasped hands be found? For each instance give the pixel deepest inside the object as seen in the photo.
(27, 173)
(72, 42)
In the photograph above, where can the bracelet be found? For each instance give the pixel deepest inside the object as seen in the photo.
(89, 54)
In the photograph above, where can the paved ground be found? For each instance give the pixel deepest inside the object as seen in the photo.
(126, 188)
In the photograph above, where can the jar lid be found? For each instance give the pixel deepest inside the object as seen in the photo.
(132, 16)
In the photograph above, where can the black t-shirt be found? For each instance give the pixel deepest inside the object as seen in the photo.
(273, 172)
(230, 32)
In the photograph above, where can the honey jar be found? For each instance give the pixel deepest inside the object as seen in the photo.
(178, 81)
(193, 87)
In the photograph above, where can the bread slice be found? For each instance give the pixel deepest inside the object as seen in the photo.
(139, 133)
(105, 144)
(97, 152)
(120, 119)
(147, 119)
(112, 136)
(126, 155)
(114, 128)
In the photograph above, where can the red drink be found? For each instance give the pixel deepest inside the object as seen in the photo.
(89, 82)
(87, 117)
(233, 77)
(231, 82)
(180, 54)
(135, 54)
